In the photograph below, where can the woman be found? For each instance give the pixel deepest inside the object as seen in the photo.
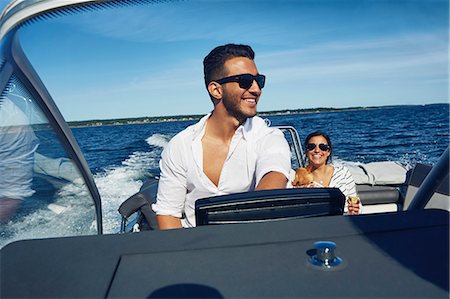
(318, 150)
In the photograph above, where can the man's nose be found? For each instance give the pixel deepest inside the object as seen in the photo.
(255, 88)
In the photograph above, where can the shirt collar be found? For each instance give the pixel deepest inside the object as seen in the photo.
(200, 126)
(245, 129)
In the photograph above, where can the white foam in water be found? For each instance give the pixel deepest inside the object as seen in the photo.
(115, 186)
(118, 183)
(158, 140)
(414, 158)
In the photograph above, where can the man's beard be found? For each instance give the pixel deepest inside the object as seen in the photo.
(234, 109)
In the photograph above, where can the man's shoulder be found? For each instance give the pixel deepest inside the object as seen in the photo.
(183, 136)
(187, 135)
(259, 128)
(258, 122)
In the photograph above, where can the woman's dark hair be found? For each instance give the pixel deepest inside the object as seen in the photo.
(215, 60)
(324, 135)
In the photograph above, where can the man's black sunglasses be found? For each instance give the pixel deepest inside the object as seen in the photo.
(323, 147)
(245, 80)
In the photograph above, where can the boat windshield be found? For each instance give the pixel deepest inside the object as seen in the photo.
(41, 191)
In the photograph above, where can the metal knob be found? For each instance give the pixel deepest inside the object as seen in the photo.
(325, 256)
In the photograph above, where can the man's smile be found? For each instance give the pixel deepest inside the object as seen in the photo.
(250, 100)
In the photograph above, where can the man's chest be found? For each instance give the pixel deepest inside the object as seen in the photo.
(214, 156)
(228, 168)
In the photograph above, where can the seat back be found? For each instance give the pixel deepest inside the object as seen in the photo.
(379, 199)
(139, 205)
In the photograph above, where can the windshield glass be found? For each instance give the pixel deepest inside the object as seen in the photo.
(373, 74)
(41, 191)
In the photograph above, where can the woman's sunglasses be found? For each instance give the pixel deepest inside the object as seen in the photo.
(245, 80)
(323, 147)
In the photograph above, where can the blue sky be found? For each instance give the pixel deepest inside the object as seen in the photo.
(3, 3)
(147, 61)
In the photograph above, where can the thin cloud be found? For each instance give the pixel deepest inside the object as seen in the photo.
(421, 55)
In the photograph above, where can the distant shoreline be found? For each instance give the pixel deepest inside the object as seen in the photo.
(159, 119)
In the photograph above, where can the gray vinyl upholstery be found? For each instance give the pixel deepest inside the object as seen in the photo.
(379, 199)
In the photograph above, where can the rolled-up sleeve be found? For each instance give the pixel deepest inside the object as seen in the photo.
(273, 155)
(172, 184)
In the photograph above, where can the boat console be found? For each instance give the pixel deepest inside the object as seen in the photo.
(269, 205)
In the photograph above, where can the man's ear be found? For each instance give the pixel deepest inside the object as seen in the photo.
(215, 90)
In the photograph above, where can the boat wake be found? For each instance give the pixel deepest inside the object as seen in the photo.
(118, 183)
(158, 140)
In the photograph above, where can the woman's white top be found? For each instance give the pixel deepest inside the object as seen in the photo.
(343, 179)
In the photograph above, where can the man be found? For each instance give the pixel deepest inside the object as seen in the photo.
(18, 144)
(229, 150)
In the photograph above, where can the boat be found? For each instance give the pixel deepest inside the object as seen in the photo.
(287, 243)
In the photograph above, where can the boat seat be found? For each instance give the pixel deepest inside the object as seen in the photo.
(378, 199)
(140, 204)
(440, 199)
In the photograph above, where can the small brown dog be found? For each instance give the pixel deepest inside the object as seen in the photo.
(303, 177)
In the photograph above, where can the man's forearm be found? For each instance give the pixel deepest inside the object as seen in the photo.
(168, 222)
(272, 180)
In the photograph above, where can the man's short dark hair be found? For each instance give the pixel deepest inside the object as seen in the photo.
(215, 60)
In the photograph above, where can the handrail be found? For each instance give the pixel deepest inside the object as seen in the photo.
(296, 143)
(432, 181)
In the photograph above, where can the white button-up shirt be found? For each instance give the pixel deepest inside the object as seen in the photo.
(255, 150)
(18, 144)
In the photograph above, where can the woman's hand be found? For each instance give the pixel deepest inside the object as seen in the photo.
(353, 205)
